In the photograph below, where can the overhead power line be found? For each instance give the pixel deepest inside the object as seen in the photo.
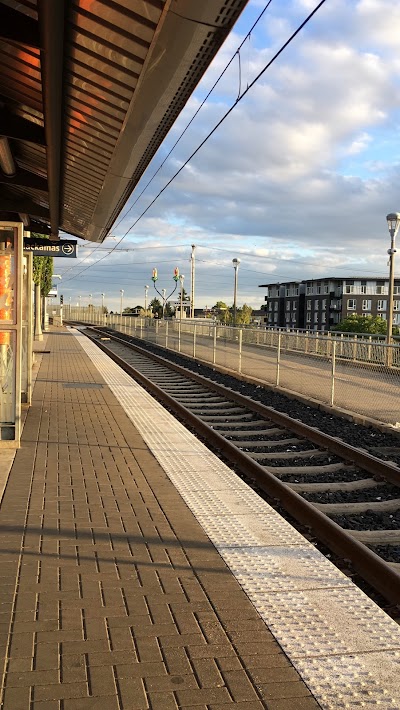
(217, 125)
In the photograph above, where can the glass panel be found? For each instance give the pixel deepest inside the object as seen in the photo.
(7, 276)
(7, 352)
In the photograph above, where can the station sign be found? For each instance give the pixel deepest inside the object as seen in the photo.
(47, 247)
(53, 291)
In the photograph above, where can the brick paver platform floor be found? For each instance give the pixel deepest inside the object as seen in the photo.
(112, 596)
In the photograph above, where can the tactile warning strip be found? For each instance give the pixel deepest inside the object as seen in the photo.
(346, 649)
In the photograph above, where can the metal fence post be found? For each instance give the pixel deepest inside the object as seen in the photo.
(240, 350)
(333, 372)
(278, 359)
(194, 340)
(215, 344)
(166, 334)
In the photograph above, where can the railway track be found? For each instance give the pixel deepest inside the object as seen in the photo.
(348, 498)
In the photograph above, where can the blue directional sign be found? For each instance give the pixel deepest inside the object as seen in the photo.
(47, 247)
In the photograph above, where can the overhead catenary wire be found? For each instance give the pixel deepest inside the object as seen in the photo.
(207, 96)
(217, 125)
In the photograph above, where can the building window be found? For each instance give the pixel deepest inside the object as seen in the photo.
(349, 286)
(396, 290)
(366, 305)
(275, 317)
(293, 318)
(319, 288)
(323, 304)
(309, 290)
(287, 318)
(294, 304)
(309, 305)
(288, 305)
(363, 287)
(316, 304)
(323, 317)
(381, 306)
(326, 288)
(308, 317)
(396, 305)
(276, 306)
(351, 304)
(380, 288)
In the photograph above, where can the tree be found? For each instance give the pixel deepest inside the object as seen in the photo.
(243, 315)
(169, 310)
(220, 305)
(363, 324)
(156, 307)
(222, 312)
(42, 270)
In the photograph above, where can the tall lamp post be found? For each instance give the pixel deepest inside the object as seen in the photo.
(235, 263)
(146, 291)
(181, 279)
(122, 296)
(163, 294)
(393, 220)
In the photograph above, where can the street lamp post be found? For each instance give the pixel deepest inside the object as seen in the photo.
(393, 220)
(235, 263)
(102, 308)
(146, 291)
(181, 279)
(122, 296)
(163, 293)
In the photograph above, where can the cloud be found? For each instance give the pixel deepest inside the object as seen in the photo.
(297, 180)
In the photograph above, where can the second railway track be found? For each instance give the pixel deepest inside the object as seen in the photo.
(349, 498)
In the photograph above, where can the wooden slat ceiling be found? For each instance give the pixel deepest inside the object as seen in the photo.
(88, 91)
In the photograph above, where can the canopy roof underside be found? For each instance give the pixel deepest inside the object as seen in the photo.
(88, 91)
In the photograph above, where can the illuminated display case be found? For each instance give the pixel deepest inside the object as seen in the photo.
(11, 291)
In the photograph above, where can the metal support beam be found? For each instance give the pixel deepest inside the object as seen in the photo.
(14, 126)
(18, 27)
(24, 205)
(23, 178)
(51, 23)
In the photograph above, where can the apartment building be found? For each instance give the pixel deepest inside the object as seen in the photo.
(319, 304)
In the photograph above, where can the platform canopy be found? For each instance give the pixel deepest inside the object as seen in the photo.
(88, 91)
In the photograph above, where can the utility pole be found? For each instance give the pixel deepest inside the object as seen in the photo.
(181, 279)
(192, 282)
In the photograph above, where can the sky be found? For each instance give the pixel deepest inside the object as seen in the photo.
(296, 182)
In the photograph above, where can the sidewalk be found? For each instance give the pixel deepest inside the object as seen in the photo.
(112, 595)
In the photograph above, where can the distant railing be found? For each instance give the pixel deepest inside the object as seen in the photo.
(360, 374)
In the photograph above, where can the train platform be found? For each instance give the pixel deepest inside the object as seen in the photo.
(139, 572)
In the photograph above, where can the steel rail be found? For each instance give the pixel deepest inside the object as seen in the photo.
(359, 457)
(369, 565)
